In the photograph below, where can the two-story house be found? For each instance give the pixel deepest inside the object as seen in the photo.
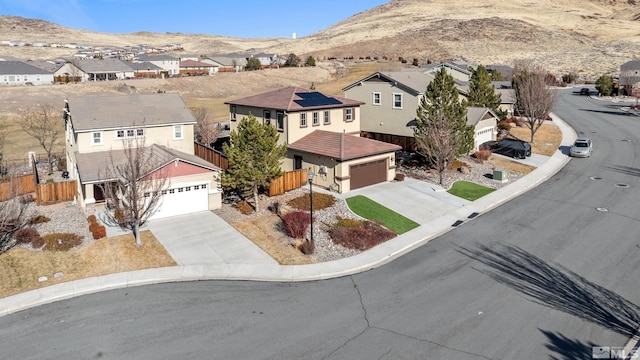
(169, 64)
(391, 100)
(97, 129)
(322, 132)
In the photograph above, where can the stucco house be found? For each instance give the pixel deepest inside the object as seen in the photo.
(96, 130)
(629, 77)
(226, 63)
(322, 132)
(21, 73)
(170, 65)
(390, 101)
(95, 70)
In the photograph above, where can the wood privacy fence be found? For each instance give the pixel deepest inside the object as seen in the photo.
(211, 155)
(289, 181)
(54, 192)
(19, 185)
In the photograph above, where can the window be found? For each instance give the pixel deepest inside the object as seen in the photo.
(172, 191)
(177, 132)
(267, 117)
(348, 114)
(204, 186)
(139, 132)
(397, 101)
(96, 138)
(26, 78)
(316, 119)
(233, 113)
(280, 121)
(130, 133)
(303, 119)
(327, 117)
(377, 98)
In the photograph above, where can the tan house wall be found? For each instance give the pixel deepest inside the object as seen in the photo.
(161, 135)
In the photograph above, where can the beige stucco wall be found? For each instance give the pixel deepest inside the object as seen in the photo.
(384, 118)
(292, 130)
(161, 135)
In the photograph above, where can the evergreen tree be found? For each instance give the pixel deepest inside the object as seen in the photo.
(483, 94)
(292, 60)
(253, 64)
(310, 61)
(441, 132)
(254, 157)
(604, 85)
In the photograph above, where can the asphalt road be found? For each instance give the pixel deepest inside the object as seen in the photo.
(545, 276)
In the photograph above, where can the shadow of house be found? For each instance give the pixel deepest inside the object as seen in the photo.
(566, 348)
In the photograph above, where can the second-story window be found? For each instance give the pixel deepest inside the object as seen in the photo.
(96, 138)
(397, 101)
(140, 132)
(348, 114)
(303, 119)
(316, 119)
(267, 117)
(377, 98)
(280, 121)
(233, 113)
(177, 132)
(327, 117)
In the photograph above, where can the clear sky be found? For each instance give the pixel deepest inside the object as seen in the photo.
(237, 18)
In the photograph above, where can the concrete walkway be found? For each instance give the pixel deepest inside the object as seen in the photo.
(206, 247)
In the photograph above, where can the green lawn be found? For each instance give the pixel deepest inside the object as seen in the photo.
(469, 191)
(371, 210)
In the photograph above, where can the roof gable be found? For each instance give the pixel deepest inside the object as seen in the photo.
(295, 99)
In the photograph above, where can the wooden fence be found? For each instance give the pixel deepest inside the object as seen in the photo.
(17, 186)
(54, 192)
(289, 181)
(211, 155)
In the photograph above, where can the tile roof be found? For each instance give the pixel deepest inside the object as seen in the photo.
(290, 99)
(20, 68)
(193, 63)
(341, 146)
(116, 111)
(92, 167)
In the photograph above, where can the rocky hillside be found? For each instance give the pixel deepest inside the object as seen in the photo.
(589, 37)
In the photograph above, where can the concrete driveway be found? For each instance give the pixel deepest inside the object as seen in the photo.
(204, 238)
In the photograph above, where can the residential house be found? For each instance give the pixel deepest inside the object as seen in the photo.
(322, 132)
(192, 67)
(170, 65)
(484, 122)
(268, 60)
(97, 129)
(145, 69)
(390, 101)
(21, 73)
(227, 63)
(629, 77)
(459, 70)
(96, 70)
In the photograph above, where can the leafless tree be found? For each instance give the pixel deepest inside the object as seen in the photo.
(13, 215)
(43, 123)
(133, 185)
(534, 97)
(207, 130)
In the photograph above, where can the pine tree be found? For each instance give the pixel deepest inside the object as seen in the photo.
(604, 85)
(254, 157)
(482, 93)
(441, 132)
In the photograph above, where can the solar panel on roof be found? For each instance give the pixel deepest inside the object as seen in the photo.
(314, 98)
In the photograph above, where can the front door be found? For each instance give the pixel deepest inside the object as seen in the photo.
(297, 162)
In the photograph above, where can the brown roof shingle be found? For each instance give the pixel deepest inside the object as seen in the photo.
(341, 146)
(291, 99)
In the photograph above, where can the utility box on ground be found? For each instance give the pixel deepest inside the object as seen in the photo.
(500, 175)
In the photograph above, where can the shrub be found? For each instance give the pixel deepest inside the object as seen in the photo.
(296, 223)
(244, 208)
(320, 201)
(49, 181)
(348, 222)
(61, 241)
(482, 155)
(93, 226)
(37, 242)
(99, 232)
(91, 219)
(307, 247)
(119, 216)
(38, 219)
(276, 208)
(457, 164)
(26, 235)
(28, 198)
(504, 125)
(362, 237)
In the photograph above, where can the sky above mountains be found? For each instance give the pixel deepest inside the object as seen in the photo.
(236, 18)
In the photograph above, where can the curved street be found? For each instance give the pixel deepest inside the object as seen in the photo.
(546, 275)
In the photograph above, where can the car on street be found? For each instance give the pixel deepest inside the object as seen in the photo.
(584, 91)
(582, 147)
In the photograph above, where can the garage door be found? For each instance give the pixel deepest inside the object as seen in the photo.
(483, 136)
(182, 200)
(369, 173)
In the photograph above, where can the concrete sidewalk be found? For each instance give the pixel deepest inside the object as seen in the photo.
(229, 255)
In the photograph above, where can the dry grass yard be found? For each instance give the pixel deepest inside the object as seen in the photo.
(546, 141)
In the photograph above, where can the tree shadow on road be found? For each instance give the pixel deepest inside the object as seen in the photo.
(627, 170)
(557, 287)
(566, 348)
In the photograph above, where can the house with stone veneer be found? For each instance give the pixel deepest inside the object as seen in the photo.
(97, 129)
(322, 133)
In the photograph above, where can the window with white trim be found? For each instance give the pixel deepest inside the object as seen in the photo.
(397, 101)
(280, 121)
(348, 114)
(140, 132)
(303, 119)
(267, 117)
(177, 132)
(316, 119)
(233, 113)
(96, 138)
(327, 117)
(377, 98)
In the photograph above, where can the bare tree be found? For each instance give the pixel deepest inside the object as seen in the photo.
(534, 98)
(13, 216)
(133, 186)
(207, 130)
(44, 124)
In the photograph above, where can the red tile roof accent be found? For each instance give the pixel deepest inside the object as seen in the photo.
(340, 146)
(284, 99)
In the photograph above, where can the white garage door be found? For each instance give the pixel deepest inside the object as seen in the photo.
(483, 135)
(183, 200)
